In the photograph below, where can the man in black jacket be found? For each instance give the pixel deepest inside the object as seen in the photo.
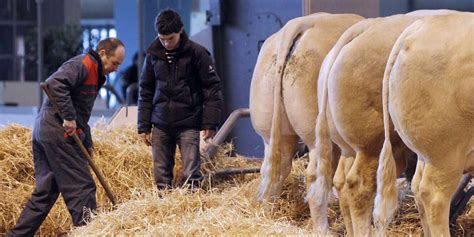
(179, 95)
(59, 164)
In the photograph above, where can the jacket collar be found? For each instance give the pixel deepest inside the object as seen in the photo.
(96, 57)
(157, 49)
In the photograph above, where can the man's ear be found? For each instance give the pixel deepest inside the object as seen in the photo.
(101, 52)
(181, 30)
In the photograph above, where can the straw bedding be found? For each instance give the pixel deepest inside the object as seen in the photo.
(224, 205)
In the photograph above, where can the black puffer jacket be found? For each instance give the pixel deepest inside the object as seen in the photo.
(179, 89)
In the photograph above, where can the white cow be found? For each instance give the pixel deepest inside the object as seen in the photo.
(428, 91)
(283, 98)
(353, 80)
(351, 115)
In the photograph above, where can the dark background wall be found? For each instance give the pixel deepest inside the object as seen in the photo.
(365, 8)
(126, 23)
(375, 8)
(246, 24)
(390, 7)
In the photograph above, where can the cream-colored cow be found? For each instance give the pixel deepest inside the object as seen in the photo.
(283, 98)
(428, 90)
(353, 74)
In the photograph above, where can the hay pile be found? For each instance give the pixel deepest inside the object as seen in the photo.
(224, 205)
(180, 212)
(122, 159)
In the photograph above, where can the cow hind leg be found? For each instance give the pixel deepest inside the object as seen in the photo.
(438, 184)
(415, 188)
(361, 187)
(345, 164)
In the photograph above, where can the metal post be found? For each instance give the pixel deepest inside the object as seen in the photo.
(219, 138)
(15, 73)
(234, 171)
(140, 47)
(39, 62)
(306, 7)
(460, 198)
(140, 36)
(225, 130)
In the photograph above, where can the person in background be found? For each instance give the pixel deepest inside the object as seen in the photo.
(179, 95)
(129, 81)
(60, 167)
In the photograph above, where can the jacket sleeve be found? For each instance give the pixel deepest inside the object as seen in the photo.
(62, 82)
(146, 93)
(211, 90)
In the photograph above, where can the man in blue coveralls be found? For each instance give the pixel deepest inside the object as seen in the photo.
(60, 167)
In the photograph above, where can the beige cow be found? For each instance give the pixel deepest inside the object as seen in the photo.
(353, 74)
(283, 99)
(428, 90)
(352, 117)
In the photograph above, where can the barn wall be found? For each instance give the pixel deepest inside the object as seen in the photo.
(245, 25)
(390, 7)
(365, 8)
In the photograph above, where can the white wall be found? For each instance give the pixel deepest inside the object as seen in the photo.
(22, 93)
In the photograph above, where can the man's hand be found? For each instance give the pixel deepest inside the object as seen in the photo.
(90, 150)
(69, 126)
(146, 138)
(208, 133)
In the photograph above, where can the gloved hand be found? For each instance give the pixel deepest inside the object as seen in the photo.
(70, 126)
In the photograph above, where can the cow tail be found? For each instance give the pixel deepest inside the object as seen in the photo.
(320, 183)
(288, 35)
(386, 199)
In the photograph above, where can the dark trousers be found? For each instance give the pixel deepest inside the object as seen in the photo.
(164, 149)
(59, 168)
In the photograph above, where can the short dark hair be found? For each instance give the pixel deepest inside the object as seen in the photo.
(109, 45)
(167, 22)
